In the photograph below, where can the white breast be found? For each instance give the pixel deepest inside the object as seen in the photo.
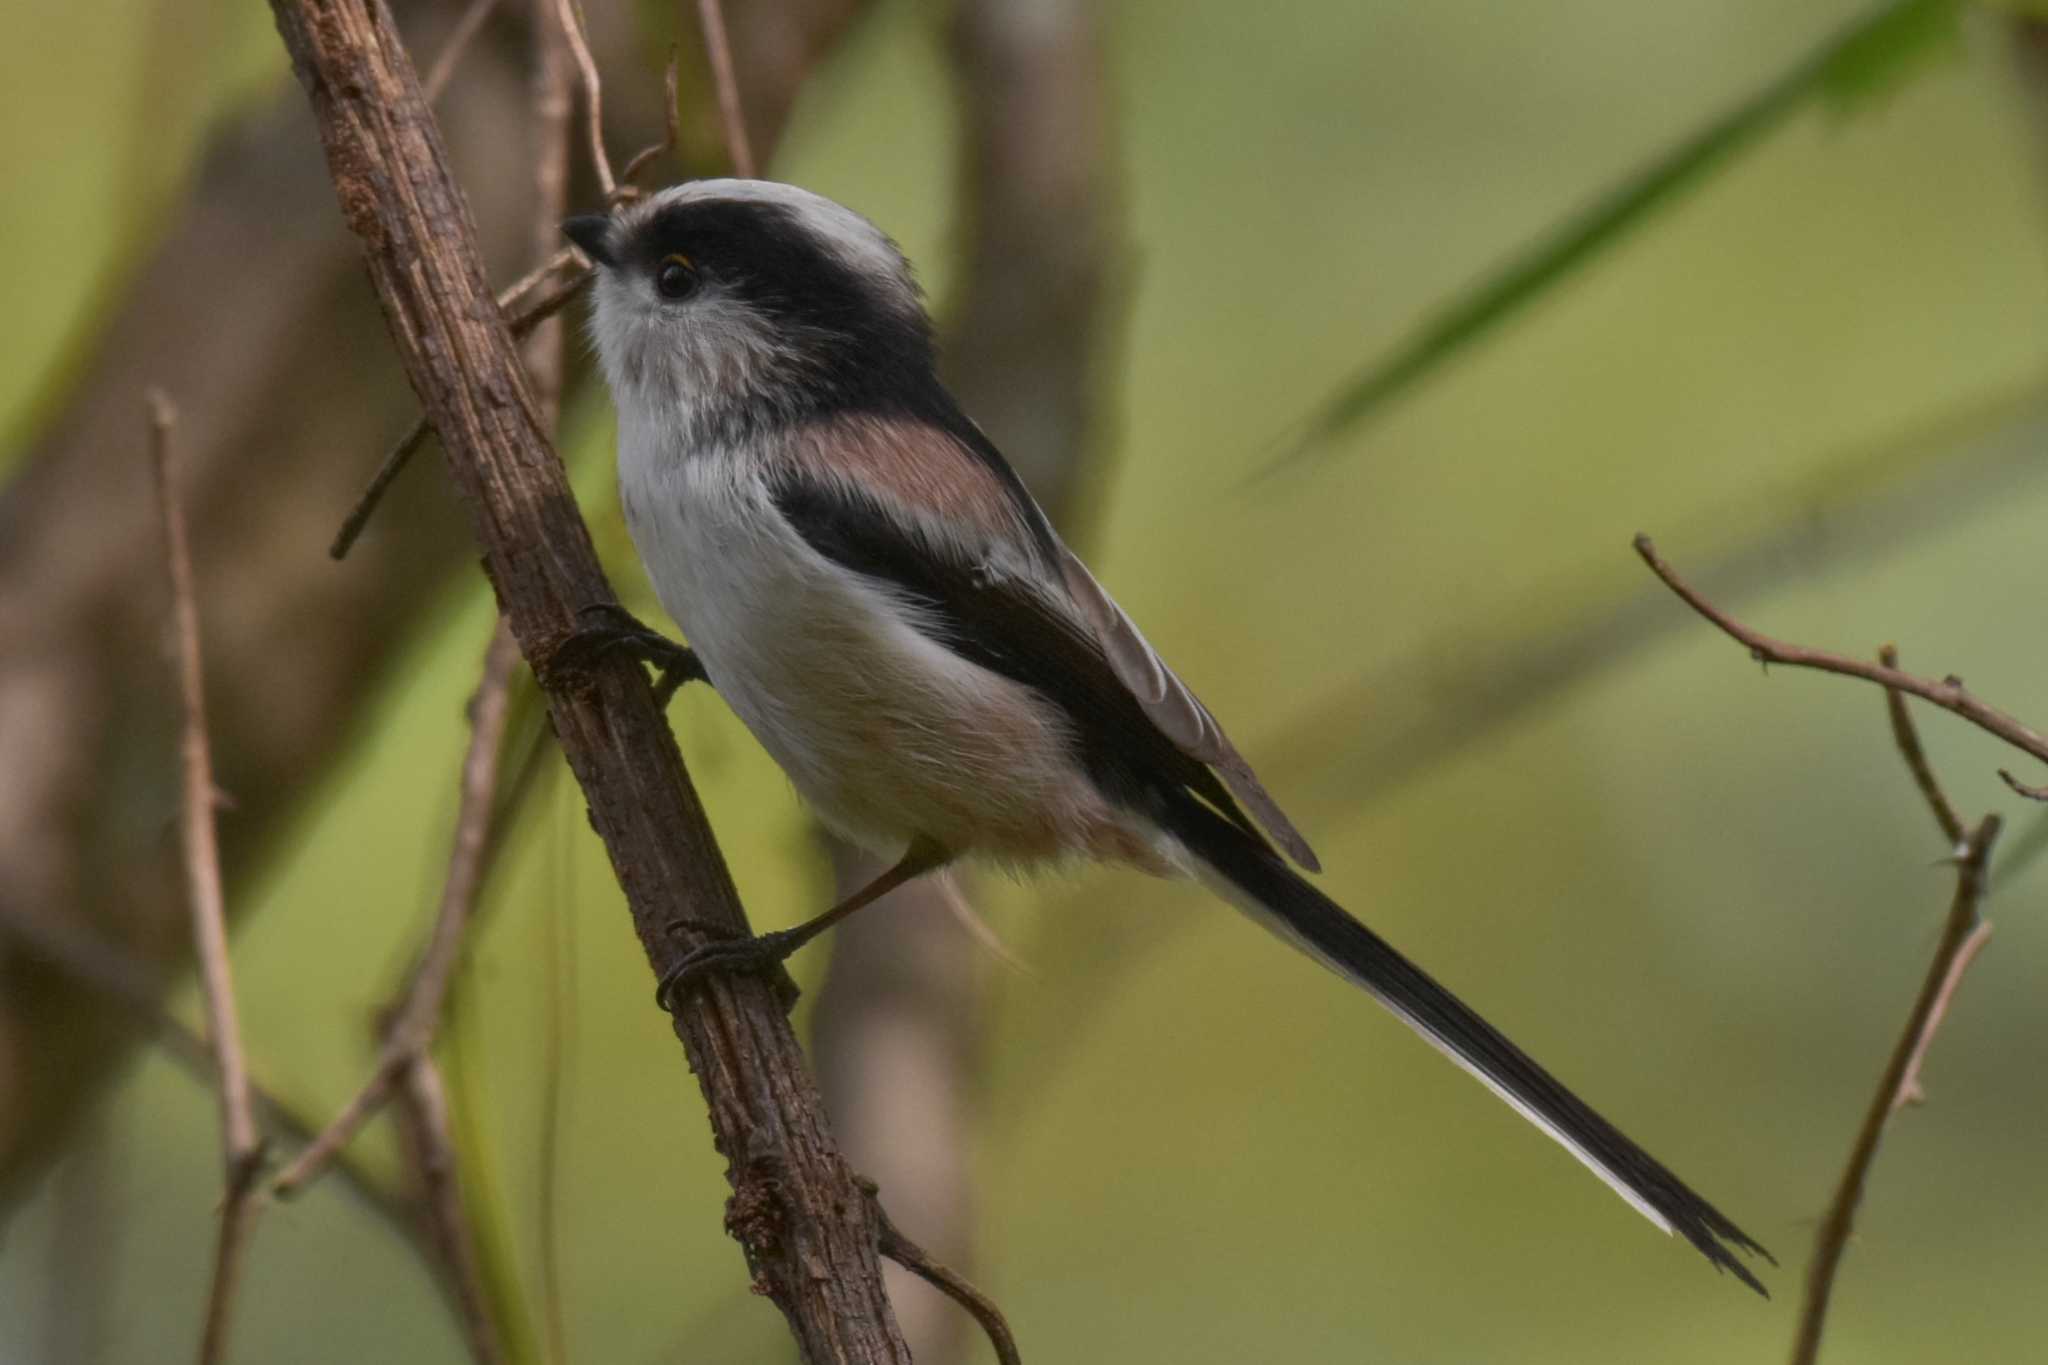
(888, 734)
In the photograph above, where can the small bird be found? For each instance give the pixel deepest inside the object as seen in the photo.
(867, 583)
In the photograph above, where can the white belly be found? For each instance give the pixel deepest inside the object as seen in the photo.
(888, 734)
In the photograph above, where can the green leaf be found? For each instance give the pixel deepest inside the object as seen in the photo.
(1868, 57)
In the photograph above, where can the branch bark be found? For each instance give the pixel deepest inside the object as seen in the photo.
(797, 1210)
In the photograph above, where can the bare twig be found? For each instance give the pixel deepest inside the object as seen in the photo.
(1910, 749)
(1961, 936)
(731, 120)
(954, 1286)
(527, 302)
(571, 15)
(458, 41)
(422, 1110)
(672, 133)
(1949, 694)
(117, 975)
(809, 1237)
(418, 1013)
(241, 1144)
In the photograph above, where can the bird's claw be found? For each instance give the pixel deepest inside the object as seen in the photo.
(612, 627)
(758, 954)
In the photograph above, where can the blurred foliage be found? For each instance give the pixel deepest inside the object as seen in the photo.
(1702, 895)
(1858, 64)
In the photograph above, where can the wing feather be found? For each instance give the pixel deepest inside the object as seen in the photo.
(941, 463)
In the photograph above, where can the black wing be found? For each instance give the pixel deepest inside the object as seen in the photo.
(1010, 627)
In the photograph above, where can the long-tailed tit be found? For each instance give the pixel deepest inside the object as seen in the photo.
(869, 585)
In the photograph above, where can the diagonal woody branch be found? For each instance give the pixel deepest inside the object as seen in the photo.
(803, 1221)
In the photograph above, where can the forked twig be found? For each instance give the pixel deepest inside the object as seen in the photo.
(418, 1013)
(241, 1143)
(1961, 936)
(1949, 694)
(421, 1104)
(526, 302)
(593, 93)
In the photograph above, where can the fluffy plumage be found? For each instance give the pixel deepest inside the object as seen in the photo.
(877, 596)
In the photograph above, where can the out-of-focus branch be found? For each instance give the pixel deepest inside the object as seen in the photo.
(810, 1237)
(732, 119)
(553, 133)
(1949, 693)
(275, 390)
(242, 1146)
(474, 15)
(134, 990)
(1961, 936)
(899, 1021)
(417, 1015)
(421, 1106)
(593, 93)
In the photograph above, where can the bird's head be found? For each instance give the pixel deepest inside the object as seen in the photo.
(729, 304)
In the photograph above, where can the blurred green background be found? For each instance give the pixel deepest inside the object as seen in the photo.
(1703, 895)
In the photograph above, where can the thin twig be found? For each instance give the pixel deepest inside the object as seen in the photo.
(422, 1109)
(527, 302)
(418, 1014)
(138, 989)
(672, 124)
(571, 15)
(1949, 694)
(738, 151)
(459, 39)
(1916, 757)
(1961, 936)
(241, 1143)
(954, 1286)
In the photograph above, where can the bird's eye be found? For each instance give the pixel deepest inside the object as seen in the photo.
(676, 278)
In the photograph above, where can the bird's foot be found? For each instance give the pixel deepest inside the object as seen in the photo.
(609, 627)
(759, 954)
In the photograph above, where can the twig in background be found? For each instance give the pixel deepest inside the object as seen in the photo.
(526, 303)
(1949, 694)
(1961, 936)
(553, 135)
(421, 1106)
(672, 133)
(738, 150)
(418, 1013)
(137, 988)
(242, 1145)
(459, 39)
(571, 15)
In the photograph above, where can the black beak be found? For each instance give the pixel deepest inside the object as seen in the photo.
(593, 233)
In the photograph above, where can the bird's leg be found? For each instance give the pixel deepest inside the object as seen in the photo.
(765, 951)
(609, 626)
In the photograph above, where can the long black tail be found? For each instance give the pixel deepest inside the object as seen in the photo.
(1255, 879)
